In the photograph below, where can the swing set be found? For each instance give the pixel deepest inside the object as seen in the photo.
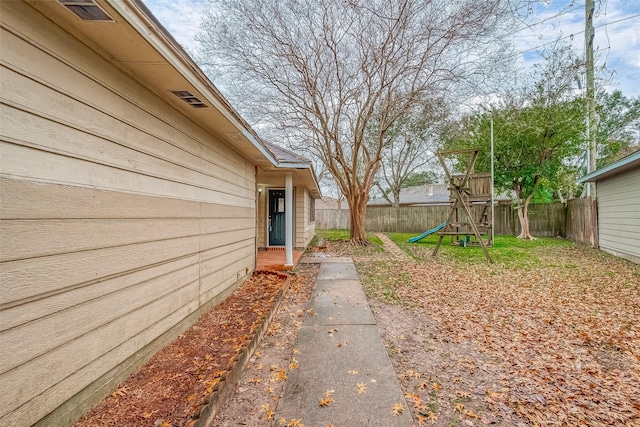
(470, 213)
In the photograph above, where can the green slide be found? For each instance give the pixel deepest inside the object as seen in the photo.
(426, 233)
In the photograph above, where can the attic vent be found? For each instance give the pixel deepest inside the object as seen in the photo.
(189, 98)
(86, 9)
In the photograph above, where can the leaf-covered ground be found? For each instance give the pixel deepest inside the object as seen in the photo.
(258, 390)
(547, 335)
(169, 388)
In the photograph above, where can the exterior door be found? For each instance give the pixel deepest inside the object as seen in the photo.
(276, 218)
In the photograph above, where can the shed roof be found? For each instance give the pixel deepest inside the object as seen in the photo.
(628, 163)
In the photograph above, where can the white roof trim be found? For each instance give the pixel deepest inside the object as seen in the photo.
(611, 169)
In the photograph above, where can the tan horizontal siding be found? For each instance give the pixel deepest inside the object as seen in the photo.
(37, 238)
(23, 343)
(89, 80)
(85, 203)
(101, 351)
(619, 214)
(28, 128)
(39, 277)
(43, 307)
(120, 217)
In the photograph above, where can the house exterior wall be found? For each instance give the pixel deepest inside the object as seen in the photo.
(619, 215)
(306, 228)
(122, 221)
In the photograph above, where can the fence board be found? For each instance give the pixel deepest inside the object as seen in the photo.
(575, 221)
(581, 223)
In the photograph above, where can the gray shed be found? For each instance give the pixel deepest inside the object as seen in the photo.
(618, 196)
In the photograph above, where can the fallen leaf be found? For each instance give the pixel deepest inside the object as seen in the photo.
(325, 401)
(463, 394)
(469, 413)
(120, 392)
(397, 409)
(362, 388)
(147, 415)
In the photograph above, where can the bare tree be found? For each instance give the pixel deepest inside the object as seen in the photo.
(320, 72)
(409, 147)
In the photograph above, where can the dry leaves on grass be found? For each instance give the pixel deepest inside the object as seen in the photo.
(173, 383)
(567, 331)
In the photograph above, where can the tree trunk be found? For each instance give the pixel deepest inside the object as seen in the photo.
(357, 211)
(396, 198)
(523, 216)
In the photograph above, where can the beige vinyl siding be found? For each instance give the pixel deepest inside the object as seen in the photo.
(619, 215)
(120, 218)
(305, 229)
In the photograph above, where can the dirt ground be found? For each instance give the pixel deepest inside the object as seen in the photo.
(556, 343)
(256, 394)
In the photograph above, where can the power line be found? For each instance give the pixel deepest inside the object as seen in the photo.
(580, 32)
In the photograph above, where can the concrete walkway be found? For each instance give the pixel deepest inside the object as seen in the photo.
(341, 358)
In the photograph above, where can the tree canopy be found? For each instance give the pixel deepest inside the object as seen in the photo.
(536, 132)
(322, 72)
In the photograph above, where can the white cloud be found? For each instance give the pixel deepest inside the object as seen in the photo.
(180, 17)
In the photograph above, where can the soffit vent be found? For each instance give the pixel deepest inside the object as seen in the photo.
(87, 10)
(189, 98)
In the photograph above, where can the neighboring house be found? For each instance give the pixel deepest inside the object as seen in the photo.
(419, 195)
(425, 195)
(331, 203)
(133, 198)
(618, 197)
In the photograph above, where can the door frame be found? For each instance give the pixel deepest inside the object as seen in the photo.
(266, 220)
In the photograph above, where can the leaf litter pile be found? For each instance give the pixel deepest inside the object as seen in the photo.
(557, 340)
(256, 395)
(172, 385)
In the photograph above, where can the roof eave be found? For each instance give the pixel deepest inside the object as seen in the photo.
(613, 169)
(141, 18)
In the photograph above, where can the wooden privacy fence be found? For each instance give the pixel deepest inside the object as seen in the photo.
(576, 220)
(581, 223)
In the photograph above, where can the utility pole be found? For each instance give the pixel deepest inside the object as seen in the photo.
(589, 33)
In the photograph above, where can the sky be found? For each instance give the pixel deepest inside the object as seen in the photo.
(616, 42)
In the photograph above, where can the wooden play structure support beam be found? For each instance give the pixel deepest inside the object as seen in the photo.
(466, 192)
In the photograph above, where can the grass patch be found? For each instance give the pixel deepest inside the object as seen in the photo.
(342, 246)
(343, 235)
(381, 280)
(333, 235)
(507, 250)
